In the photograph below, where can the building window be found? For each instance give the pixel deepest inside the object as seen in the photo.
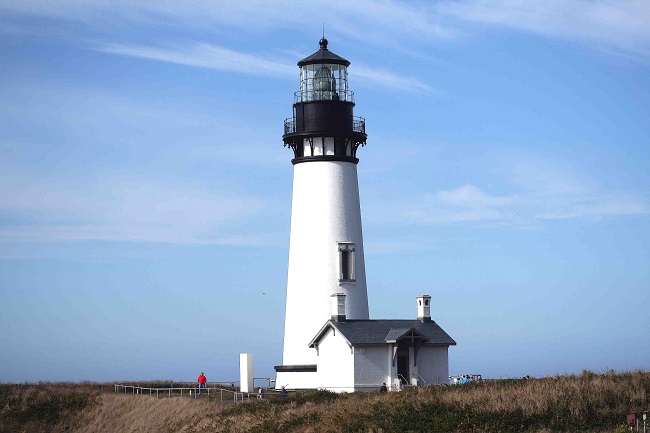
(346, 261)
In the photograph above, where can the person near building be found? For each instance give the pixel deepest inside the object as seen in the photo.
(202, 381)
(383, 388)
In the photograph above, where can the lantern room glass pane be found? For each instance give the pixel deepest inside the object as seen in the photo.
(324, 82)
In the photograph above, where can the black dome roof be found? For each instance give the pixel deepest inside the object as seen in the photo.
(323, 55)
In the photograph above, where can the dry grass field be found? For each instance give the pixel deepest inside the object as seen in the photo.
(587, 403)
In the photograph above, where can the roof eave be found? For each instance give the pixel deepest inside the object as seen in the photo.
(323, 56)
(321, 333)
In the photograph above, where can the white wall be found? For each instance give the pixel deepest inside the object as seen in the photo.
(371, 367)
(433, 364)
(335, 363)
(325, 210)
(295, 380)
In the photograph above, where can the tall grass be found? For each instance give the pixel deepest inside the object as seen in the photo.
(44, 406)
(589, 403)
(584, 403)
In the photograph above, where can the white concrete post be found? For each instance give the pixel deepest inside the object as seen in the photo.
(246, 372)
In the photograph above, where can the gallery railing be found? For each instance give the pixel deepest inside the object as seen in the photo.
(323, 95)
(358, 123)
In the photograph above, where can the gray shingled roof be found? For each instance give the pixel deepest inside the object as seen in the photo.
(361, 332)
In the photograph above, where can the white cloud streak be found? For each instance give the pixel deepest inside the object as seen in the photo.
(399, 21)
(511, 187)
(470, 204)
(206, 56)
(224, 59)
(621, 26)
(373, 77)
(534, 190)
(123, 208)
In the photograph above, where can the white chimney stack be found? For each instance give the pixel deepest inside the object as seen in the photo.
(424, 308)
(338, 307)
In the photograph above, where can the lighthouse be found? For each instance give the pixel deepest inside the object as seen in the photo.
(326, 241)
(329, 340)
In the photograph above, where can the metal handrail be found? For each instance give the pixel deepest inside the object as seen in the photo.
(358, 124)
(289, 125)
(323, 95)
(403, 383)
(191, 392)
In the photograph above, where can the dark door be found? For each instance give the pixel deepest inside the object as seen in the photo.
(403, 363)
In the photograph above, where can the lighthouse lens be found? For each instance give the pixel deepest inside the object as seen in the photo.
(323, 80)
(324, 84)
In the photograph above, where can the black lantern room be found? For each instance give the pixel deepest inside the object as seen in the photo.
(323, 126)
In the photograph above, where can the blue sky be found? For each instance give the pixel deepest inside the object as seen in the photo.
(145, 193)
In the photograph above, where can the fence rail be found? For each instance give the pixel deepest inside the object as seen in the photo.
(188, 392)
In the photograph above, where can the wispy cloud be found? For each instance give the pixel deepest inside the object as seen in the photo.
(371, 77)
(121, 208)
(470, 196)
(402, 25)
(466, 203)
(225, 59)
(470, 204)
(531, 190)
(206, 56)
(400, 21)
(407, 28)
(101, 166)
(618, 26)
(621, 26)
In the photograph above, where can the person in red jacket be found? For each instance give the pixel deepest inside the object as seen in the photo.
(202, 380)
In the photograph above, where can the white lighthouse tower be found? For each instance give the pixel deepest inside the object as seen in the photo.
(326, 243)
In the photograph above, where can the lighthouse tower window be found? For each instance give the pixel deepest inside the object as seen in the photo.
(346, 262)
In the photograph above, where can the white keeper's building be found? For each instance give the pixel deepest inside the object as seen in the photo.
(329, 340)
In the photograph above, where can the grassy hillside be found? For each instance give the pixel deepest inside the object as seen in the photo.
(588, 403)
